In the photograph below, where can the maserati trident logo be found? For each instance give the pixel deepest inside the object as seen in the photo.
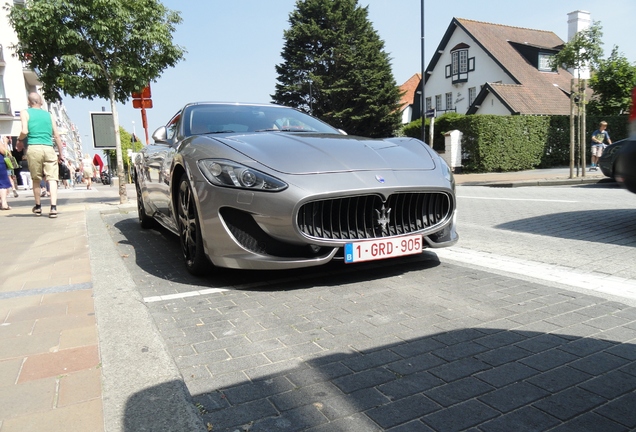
(383, 217)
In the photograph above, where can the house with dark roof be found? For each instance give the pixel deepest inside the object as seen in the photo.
(484, 68)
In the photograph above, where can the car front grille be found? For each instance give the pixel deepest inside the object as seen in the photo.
(369, 217)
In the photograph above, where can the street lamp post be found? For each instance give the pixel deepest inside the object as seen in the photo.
(423, 104)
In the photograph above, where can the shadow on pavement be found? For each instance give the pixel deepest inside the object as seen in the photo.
(617, 226)
(493, 379)
(157, 252)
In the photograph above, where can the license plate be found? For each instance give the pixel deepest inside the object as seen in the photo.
(369, 250)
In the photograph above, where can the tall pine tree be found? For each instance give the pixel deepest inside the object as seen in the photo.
(335, 67)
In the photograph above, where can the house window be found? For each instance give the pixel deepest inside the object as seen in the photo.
(438, 102)
(472, 94)
(449, 101)
(429, 103)
(545, 61)
(461, 64)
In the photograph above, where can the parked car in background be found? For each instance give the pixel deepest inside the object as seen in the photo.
(607, 161)
(251, 186)
(625, 171)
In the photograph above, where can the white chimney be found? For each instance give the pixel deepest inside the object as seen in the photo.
(577, 21)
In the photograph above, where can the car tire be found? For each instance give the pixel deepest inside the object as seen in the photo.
(145, 221)
(189, 227)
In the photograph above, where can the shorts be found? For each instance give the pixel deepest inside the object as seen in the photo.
(88, 173)
(597, 150)
(42, 163)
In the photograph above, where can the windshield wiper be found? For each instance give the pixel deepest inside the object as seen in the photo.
(284, 130)
(217, 132)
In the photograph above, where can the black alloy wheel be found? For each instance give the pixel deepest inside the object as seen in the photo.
(190, 231)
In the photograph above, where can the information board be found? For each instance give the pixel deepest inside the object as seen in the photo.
(103, 130)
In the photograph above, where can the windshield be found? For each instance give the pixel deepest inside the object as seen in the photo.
(214, 118)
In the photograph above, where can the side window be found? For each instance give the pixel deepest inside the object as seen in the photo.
(172, 127)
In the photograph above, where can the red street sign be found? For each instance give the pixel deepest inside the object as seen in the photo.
(145, 93)
(142, 103)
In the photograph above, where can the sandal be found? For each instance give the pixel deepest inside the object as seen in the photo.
(5, 208)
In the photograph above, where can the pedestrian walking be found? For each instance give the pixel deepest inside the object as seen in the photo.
(39, 130)
(88, 170)
(5, 184)
(600, 140)
(13, 164)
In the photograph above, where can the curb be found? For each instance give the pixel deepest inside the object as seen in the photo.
(542, 182)
(142, 388)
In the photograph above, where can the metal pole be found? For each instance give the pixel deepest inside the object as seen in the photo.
(572, 108)
(423, 103)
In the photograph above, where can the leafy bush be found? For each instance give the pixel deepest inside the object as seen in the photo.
(493, 143)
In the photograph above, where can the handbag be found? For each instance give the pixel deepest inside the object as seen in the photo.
(9, 163)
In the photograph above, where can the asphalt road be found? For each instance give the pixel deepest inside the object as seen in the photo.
(527, 324)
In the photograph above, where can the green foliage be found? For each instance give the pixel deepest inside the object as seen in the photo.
(126, 144)
(335, 67)
(583, 50)
(95, 48)
(441, 125)
(493, 143)
(612, 83)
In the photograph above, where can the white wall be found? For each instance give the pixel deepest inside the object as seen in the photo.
(492, 105)
(14, 85)
(486, 70)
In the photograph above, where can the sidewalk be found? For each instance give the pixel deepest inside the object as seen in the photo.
(64, 369)
(537, 177)
(50, 377)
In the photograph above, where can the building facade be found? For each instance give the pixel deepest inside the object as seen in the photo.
(17, 80)
(486, 68)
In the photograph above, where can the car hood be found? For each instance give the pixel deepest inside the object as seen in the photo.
(302, 153)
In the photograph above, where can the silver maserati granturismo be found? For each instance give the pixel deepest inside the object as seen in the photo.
(251, 186)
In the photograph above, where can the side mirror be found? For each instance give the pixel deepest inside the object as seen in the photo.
(160, 135)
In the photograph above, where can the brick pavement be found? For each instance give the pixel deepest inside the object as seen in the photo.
(337, 349)
(50, 375)
(51, 347)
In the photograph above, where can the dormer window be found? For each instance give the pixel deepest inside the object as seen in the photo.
(460, 65)
(545, 62)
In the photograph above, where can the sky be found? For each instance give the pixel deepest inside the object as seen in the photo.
(233, 46)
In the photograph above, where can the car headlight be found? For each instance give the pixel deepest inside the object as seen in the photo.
(447, 171)
(231, 174)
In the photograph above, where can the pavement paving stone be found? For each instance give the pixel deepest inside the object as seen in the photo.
(9, 371)
(461, 416)
(78, 337)
(27, 398)
(86, 416)
(57, 363)
(408, 408)
(28, 345)
(81, 386)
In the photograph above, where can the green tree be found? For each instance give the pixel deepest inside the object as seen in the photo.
(583, 50)
(96, 49)
(612, 82)
(126, 144)
(334, 66)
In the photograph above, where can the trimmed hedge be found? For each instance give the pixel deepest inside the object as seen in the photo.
(511, 143)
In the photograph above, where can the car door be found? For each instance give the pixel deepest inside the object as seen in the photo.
(161, 163)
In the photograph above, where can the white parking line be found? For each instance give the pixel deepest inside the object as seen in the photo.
(515, 199)
(612, 285)
(184, 295)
